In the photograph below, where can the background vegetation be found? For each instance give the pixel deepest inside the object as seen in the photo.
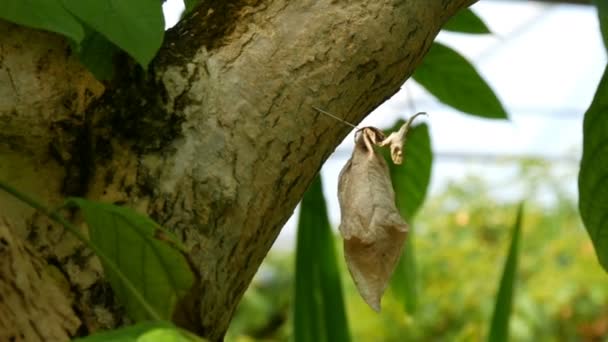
(462, 238)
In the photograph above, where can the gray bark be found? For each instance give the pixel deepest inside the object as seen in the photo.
(217, 142)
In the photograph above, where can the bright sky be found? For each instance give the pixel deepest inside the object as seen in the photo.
(543, 61)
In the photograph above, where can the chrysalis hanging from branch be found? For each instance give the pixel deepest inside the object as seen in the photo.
(373, 231)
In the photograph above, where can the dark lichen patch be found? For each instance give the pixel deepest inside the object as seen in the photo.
(13, 142)
(44, 62)
(133, 110)
(208, 25)
(70, 148)
(183, 100)
(102, 294)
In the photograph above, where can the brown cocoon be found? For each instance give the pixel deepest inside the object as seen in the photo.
(373, 230)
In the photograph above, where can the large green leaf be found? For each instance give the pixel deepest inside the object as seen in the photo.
(136, 26)
(161, 331)
(499, 329)
(404, 282)
(454, 81)
(151, 258)
(602, 13)
(410, 181)
(593, 175)
(96, 53)
(319, 313)
(47, 15)
(307, 302)
(466, 21)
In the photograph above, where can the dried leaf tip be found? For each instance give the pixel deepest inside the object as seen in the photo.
(396, 140)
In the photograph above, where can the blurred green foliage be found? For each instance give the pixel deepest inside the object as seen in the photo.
(462, 235)
(318, 302)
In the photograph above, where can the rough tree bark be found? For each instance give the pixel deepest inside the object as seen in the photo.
(217, 142)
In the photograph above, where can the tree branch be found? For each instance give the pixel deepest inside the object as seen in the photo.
(250, 142)
(219, 141)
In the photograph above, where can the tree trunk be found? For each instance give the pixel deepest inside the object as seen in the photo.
(217, 141)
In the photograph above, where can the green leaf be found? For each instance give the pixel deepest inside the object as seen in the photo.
(319, 313)
(334, 314)
(190, 4)
(140, 332)
(150, 257)
(602, 13)
(499, 329)
(163, 335)
(593, 175)
(130, 333)
(410, 181)
(136, 26)
(466, 21)
(43, 14)
(405, 279)
(454, 81)
(96, 53)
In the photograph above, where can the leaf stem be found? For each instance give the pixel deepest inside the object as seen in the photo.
(55, 216)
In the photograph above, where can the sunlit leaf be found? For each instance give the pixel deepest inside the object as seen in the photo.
(593, 176)
(602, 13)
(43, 14)
(161, 331)
(150, 257)
(136, 26)
(163, 335)
(466, 21)
(499, 329)
(410, 181)
(454, 81)
(319, 313)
